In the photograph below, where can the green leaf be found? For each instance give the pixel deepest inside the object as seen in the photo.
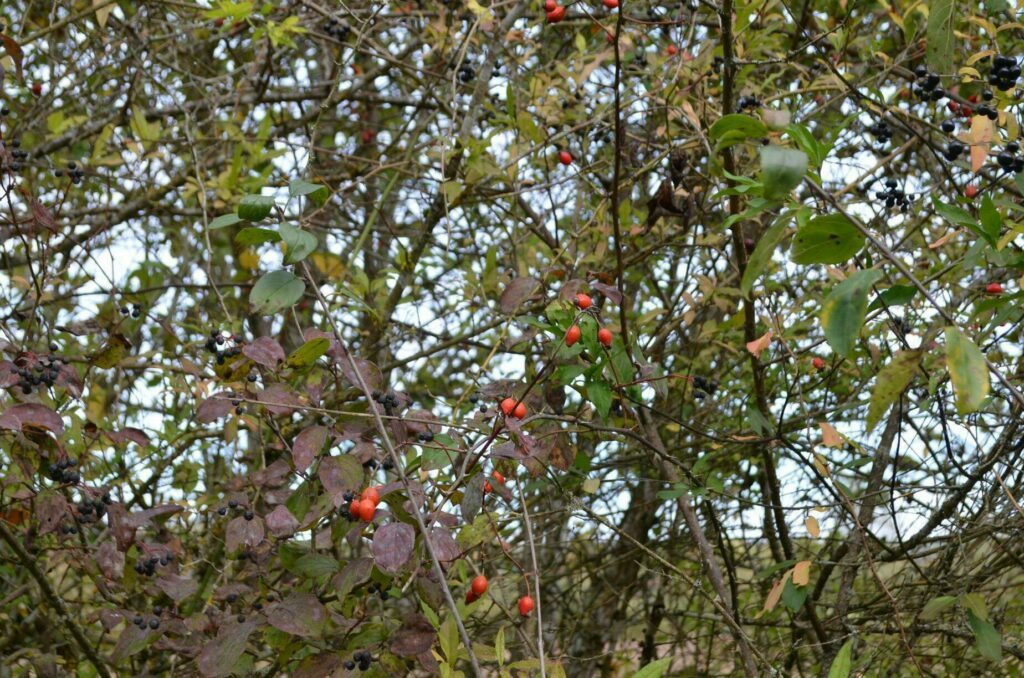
(255, 236)
(897, 295)
(255, 207)
(841, 665)
(730, 130)
(275, 291)
(655, 669)
(300, 243)
(815, 150)
(961, 217)
(842, 313)
(986, 638)
(314, 566)
(967, 369)
(793, 596)
(763, 251)
(224, 220)
(782, 170)
(937, 606)
(308, 353)
(889, 384)
(830, 239)
(600, 393)
(939, 50)
(975, 603)
(991, 222)
(317, 193)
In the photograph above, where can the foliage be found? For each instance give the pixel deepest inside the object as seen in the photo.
(259, 258)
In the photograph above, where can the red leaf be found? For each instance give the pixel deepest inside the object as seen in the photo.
(279, 399)
(110, 560)
(14, 50)
(281, 522)
(300, 614)
(213, 408)
(610, 291)
(518, 291)
(135, 435)
(220, 655)
(307, 445)
(31, 414)
(178, 588)
(445, 547)
(264, 351)
(392, 546)
(415, 636)
(338, 475)
(241, 531)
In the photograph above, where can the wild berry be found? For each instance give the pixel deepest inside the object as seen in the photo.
(479, 585)
(583, 301)
(604, 335)
(525, 606)
(573, 335)
(994, 288)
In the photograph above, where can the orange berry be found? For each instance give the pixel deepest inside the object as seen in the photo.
(353, 509)
(366, 511)
(497, 476)
(507, 405)
(970, 191)
(525, 605)
(479, 585)
(556, 15)
(487, 488)
(611, 4)
(371, 494)
(573, 335)
(520, 412)
(818, 363)
(604, 335)
(583, 301)
(565, 157)
(671, 50)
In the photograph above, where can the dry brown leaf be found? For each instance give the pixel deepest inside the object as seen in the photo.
(802, 573)
(943, 240)
(760, 344)
(775, 594)
(829, 435)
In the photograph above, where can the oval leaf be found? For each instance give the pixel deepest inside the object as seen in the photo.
(300, 243)
(275, 291)
(967, 369)
(782, 170)
(889, 384)
(830, 239)
(842, 313)
(255, 207)
(392, 546)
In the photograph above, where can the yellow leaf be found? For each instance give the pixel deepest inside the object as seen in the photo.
(103, 10)
(758, 345)
(975, 58)
(829, 435)
(812, 526)
(819, 463)
(775, 594)
(802, 573)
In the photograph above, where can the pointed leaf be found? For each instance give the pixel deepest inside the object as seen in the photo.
(782, 170)
(300, 244)
(842, 313)
(275, 291)
(255, 207)
(967, 369)
(890, 383)
(830, 239)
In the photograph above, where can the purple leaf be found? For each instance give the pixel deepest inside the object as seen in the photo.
(220, 655)
(307, 445)
(281, 522)
(392, 546)
(339, 475)
(142, 518)
(110, 560)
(134, 435)
(317, 666)
(279, 399)
(415, 636)
(264, 351)
(445, 548)
(213, 408)
(50, 510)
(518, 291)
(368, 371)
(241, 531)
(123, 530)
(178, 588)
(300, 614)
(131, 641)
(609, 291)
(8, 376)
(352, 575)
(34, 415)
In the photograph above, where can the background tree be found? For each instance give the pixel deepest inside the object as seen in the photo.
(693, 329)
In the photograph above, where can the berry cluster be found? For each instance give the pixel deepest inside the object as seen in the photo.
(881, 132)
(91, 510)
(17, 155)
(362, 658)
(364, 508)
(135, 310)
(703, 386)
(61, 472)
(954, 150)
(233, 504)
(465, 73)
(894, 197)
(148, 566)
(223, 345)
(41, 371)
(1009, 160)
(927, 85)
(74, 171)
(1004, 73)
(338, 30)
(746, 102)
(153, 623)
(379, 590)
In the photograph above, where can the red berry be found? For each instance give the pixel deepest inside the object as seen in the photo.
(611, 4)
(497, 476)
(671, 50)
(366, 511)
(583, 301)
(565, 157)
(573, 335)
(507, 405)
(966, 111)
(471, 597)
(368, 135)
(971, 191)
(994, 288)
(973, 98)
(818, 363)
(953, 106)
(550, 5)
(556, 15)
(354, 508)
(479, 585)
(218, 22)
(525, 605)
(371, 494)
(487, 488)
(520, 412)
(37, 88)
(604, 335)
